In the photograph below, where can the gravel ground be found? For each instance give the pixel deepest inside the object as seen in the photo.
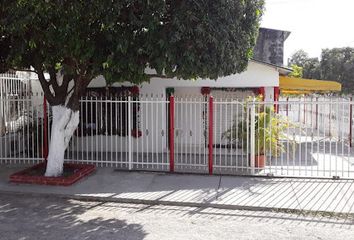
(49, 218)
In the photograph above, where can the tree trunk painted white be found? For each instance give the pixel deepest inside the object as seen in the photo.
(65, 121)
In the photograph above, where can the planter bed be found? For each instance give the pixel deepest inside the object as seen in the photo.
(35, 174)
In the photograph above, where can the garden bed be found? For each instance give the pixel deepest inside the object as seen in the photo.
(35, 174)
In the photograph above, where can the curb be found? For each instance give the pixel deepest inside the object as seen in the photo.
(180, 204)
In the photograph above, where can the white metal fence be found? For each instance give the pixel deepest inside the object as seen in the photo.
(201, 134)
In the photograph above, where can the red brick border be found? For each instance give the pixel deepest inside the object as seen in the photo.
(81, 170)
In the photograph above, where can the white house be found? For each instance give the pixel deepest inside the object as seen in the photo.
(261, 75)
(257, 76)
(107, 126)
(108, 129)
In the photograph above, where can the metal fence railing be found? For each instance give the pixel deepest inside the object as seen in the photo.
(290, 137)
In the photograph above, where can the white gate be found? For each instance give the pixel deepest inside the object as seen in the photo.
(299, 137)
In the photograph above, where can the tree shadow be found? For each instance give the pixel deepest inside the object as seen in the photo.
(48, 218)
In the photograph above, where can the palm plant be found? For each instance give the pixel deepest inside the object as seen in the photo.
(269, 129)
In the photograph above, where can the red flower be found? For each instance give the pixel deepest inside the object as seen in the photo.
(136, 133)
(205, 90)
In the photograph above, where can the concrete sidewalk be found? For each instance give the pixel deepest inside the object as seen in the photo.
(202, 191)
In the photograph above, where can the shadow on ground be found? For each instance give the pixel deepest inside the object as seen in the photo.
(50, 218)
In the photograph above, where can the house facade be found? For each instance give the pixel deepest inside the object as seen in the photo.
(260, 77)
(138, 128)
(151, 118)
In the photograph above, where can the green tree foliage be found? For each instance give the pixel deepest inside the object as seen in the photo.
(297, 71)
(336, 64)
(119, 39)
(76, 41)
(310, 66)
(312, 69)
(298, 58)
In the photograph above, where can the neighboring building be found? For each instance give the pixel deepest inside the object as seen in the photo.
(270, 46)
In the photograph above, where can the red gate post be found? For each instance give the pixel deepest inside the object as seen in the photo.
(261, 91)
(172, 133)
(211, 100)
(350, 122)
(276, 99)
(45, 129)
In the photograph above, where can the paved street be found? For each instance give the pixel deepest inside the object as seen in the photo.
(25, 217)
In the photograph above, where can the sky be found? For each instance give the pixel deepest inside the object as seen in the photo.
(314, 24)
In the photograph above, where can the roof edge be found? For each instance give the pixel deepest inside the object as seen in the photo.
(277, 67)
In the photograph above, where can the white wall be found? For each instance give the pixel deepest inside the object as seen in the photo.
(256, 75)
(269, 94)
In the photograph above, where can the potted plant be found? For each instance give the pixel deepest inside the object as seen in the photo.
(269, 130)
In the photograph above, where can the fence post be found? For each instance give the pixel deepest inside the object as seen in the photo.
(329, 118)
(304, 110)
(317, 113)
(211, 109)
(172, 133)
(276, 99)
(129, 134)
(252, 137)
(45, 129)
(287, 106)
(311, 112)
(350, 122)
(261, 91)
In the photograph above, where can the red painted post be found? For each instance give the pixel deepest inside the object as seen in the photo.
(45, 129)
(276, 99)
(350, 122)
(261, 91)
(172, 133)
(211, 111)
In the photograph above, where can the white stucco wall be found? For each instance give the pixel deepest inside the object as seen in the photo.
(256, 75)
(269, 94)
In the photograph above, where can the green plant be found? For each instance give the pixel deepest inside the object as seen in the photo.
(270, 128)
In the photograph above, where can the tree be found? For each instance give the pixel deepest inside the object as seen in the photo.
(338, 64)
(312, 69)
(310, 66)
(298, 58)
(297, 71)
(76, 41)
